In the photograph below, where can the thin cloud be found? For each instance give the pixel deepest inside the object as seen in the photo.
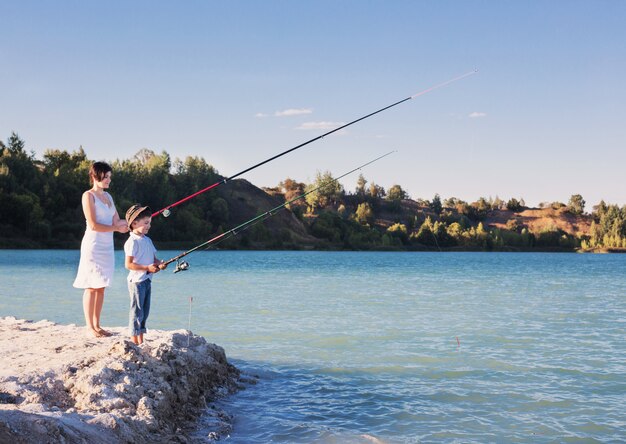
(477, 115)
(319, 125)
(261, 115)
(293, 112)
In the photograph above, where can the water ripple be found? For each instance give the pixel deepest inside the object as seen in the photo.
(387, 347)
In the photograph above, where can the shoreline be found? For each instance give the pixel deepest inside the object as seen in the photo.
(57, 383)
(414, 249)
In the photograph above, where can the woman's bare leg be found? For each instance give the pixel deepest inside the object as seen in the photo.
(99, 302)
(89, 306)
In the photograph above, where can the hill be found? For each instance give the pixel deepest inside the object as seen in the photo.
(40, 207)
(283, 229)
(542, 219)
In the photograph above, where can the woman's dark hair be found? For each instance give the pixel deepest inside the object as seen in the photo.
(98, 170)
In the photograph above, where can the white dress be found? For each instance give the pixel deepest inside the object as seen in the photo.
(97, 261)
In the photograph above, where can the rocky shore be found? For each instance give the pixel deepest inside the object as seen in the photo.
(58, 384)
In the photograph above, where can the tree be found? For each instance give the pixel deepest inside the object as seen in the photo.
(376, 191)
(15, 144)
(364, 213)
(327, 190)
(435, 204)
(482, 205)
(342, 211)
(398, 231)
(293, 186)
(360, 185)
(396, 193)
(576, 204)
(193, 174)
(599, 209)
(557, 205)
(455, 230)
(451, 202)
(219, 211)
(426, 234)
(498, 204)
(143, 156)
(20, 169)
(513, 204)
(292, 190)
(513, 225)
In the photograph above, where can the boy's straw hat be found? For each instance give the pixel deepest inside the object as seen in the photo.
(133, 212)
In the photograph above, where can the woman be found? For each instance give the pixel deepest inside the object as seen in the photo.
(95, 270)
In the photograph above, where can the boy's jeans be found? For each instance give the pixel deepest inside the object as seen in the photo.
(139, 305)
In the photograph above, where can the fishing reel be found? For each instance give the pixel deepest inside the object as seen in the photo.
(181, 266)
(166, 212)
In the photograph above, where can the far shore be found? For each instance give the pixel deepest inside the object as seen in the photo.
(175, 246)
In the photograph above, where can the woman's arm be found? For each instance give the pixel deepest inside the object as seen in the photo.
(117, 220)
(120, 224)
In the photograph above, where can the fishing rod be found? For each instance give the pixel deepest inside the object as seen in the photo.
(183, 265)
(167, 210)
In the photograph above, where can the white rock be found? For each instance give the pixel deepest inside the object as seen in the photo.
(106, 387)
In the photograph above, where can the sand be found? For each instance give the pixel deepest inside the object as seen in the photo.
(59, 384)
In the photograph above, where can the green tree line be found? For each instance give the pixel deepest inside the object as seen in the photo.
(40, 206)
(40, 200)
(350, 220)
(608, 229)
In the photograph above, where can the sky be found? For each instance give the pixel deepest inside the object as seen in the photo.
(236, 82)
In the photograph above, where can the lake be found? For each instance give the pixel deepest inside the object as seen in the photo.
(399, 347)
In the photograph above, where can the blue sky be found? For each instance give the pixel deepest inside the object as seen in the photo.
(237, 82)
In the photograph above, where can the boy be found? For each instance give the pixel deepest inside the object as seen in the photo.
(142, 262)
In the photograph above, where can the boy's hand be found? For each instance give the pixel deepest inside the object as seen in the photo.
(162, 265)
(153, 268)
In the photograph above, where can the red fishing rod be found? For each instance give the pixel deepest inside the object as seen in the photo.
(166, 210)
(183, 265)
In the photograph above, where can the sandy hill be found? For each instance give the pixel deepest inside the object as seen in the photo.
(246, 201)
(542, 219)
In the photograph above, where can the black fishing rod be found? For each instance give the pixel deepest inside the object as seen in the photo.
(182, 265)
(166, 211)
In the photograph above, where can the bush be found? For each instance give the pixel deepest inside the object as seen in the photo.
(513, 205)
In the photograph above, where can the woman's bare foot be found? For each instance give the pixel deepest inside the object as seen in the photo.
(104, 332)
(96, 333)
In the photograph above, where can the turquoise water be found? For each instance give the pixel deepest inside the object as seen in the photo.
(401, 347)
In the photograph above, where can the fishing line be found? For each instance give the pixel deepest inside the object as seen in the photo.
(435, 237)
(167, 210)
(189, 324)
(183, 265)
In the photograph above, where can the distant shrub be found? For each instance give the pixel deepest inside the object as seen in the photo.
(557, 205)
(513, 205)
(435, 204)
(398, 231)
(364, 213)
(549, 238)
(576, 204)
(513, 225)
